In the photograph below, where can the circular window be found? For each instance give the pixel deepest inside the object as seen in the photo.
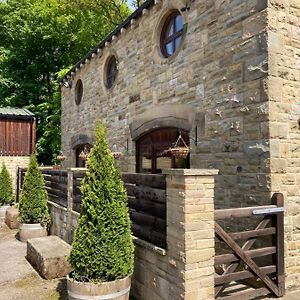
(172, 34)
(78, 91)
(111, 71)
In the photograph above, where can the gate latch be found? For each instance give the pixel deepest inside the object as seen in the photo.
(268, 211)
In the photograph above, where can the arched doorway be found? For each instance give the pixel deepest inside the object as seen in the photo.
(151, 156)
(80, 163)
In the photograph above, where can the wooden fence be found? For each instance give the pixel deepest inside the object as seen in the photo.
(146, 199)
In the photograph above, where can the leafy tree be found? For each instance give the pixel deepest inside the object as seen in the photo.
(137, 3)
(102, 249)
(33, 200)
(6, 187)
(37, 39)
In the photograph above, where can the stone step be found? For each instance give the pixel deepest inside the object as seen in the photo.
(48, 255)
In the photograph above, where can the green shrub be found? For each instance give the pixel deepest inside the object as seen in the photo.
(33, 200)
(102, 249)
(6, 187)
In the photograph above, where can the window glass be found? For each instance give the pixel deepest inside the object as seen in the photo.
(111, 73)
(171, 36)
(78, 91)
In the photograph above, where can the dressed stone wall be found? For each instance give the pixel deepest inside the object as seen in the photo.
(215, 76)
(13, 163)
(284, 109)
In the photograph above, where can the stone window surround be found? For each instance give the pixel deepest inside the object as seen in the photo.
(165, 13)
(103, 71)
(165, 40)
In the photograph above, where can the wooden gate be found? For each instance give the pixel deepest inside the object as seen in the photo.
(252, 262)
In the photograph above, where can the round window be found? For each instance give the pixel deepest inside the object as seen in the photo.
(111, 71)
(172, 34)
(78, 91)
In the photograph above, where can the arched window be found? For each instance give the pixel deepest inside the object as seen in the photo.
(78, 91)
(171, 35)
(111, 71)
(151, 155)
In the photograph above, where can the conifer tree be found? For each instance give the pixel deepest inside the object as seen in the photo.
(6, 187)
(33, 200)
(102, 249)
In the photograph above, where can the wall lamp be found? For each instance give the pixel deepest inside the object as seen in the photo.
(187, 6)
(68, 83)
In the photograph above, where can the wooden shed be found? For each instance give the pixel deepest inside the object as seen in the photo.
(17, 138)
(17, 132)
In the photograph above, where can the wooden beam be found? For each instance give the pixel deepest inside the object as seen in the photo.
(252, 233)
(228, 258)
(244, 212)
(242, 275)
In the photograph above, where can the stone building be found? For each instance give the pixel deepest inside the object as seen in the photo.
(17, 138)
(225, 74)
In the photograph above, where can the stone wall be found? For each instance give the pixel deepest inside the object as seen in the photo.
(63, 222)
(218, 75)
(284, 109)
(12, 163)
(185, 270)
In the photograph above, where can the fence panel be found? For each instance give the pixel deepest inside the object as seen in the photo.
(146, 200)
(56, 182)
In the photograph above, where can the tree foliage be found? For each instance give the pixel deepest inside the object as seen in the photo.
(6, 187)
(38, 38)
(33, 200)
(102, 249)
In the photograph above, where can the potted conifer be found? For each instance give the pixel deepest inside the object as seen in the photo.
(6, 192)
(34, 215)
(102, 251)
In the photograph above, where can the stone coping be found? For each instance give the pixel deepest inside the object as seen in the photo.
(190, 172)
(149, 246)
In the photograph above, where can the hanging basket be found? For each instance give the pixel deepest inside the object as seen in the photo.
(61, 158)
(116, 154)
(180, 152)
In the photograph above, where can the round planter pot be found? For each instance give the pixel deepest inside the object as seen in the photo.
(30, 231)
(113, 290)
(3, 213)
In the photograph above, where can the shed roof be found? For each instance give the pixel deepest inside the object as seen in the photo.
(11, 112)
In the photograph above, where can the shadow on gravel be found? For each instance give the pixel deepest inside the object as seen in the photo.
(62, 289)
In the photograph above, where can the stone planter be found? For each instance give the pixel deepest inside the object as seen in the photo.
(12, 217)
(30, 231)
(113, 290)
(3, 213)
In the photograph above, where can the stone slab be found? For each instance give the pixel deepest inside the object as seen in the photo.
(48, 255)
(12, 218)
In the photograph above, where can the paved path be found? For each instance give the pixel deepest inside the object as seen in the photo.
(18, 280)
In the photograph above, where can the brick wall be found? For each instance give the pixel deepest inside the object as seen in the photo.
(12, 163)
